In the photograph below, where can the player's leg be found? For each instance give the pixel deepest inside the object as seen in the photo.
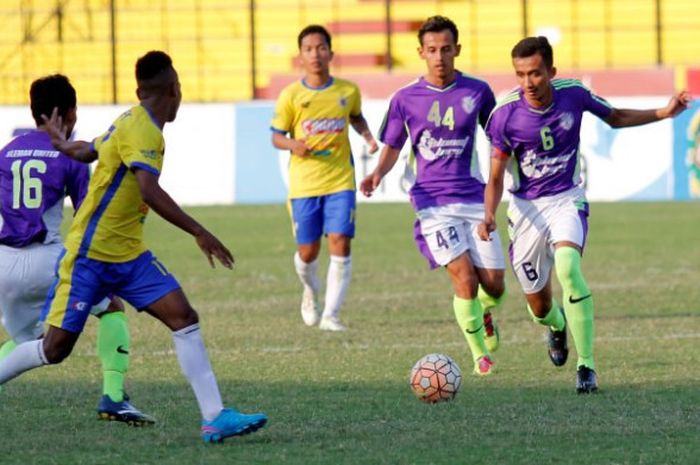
(307, 218)
(153, 289)
(569, 226)
(443, 237)
(578, 303)
(530, 254)
(113, 352)
(339, 226)
(488, 260)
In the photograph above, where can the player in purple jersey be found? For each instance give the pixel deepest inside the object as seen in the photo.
(535, 132)
(34, 180)
(440, 113)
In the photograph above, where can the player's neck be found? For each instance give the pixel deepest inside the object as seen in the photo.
(156, 111)
(317, 80)
(441, 81)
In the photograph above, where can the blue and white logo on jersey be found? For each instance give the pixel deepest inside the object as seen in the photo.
(566, 121)
(343, 102)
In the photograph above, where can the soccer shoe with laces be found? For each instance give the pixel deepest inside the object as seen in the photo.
(331, 323)
(309, 307)
(557, 345)
(122, 411)
(586, 380)
(483, 366)
(491, 336)
(231, 423)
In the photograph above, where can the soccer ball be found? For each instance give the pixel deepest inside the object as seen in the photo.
(435, 378)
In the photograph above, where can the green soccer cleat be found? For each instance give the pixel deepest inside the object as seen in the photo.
(122, 411)
(483, 366)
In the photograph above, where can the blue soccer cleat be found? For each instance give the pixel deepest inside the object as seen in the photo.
(122, 411)
(231, 423)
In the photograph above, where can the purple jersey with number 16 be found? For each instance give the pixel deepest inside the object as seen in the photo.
(442, 124)
(34, 180)
(544, 143)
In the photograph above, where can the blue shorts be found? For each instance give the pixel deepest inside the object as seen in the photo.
(83, 282)
(313, 217)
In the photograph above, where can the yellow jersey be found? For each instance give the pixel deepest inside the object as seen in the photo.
(321, 117)
(109, 224)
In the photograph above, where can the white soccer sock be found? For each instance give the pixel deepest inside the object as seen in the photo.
(308, 273)
(337, 283)
(195, 365)
(26, 356)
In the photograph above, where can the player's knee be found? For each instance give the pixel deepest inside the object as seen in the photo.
(55, 352)
(187, 317)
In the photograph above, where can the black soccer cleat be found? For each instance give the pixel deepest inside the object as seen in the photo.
(558, 348)
(122, 411)
(586, 380)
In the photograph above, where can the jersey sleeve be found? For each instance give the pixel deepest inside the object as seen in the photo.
(496, 130)
(283, 118)
(355, 102)
(393, 130)
(141, 148)
(77, 180)
(596, 105)
(487, 106)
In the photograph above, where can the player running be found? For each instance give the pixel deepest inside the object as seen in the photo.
(105, 251)
(315, 112)
(440, 113)
(535, 131)
(34, 180)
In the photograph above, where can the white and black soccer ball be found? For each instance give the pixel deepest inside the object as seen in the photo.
(435, 378)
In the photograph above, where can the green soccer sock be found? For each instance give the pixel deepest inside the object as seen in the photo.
(470, 318)
(113, 350)
(487, 301)
(554, 318)
(578, 302)
(6, 348)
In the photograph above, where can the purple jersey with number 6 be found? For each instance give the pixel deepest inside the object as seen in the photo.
(441, 124)
(34, 180)
(544, 143)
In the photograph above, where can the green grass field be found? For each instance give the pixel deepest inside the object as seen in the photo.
(344, 398)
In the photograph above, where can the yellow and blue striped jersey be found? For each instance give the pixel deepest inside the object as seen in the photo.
(321, 117)
(109, 224)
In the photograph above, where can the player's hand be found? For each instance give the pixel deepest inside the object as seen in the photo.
(212, 247)
(369, 184)
(677, 104)
(485, 228)
(300, 148)
(372, 146)
(55, 128)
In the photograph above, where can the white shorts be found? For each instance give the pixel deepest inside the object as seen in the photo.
(444, 233)
(534, 226)
(26, 274)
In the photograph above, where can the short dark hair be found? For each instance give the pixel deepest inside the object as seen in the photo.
(530, 46)
(49, 92)
(437, 24)
(152, 64)
(314, 29)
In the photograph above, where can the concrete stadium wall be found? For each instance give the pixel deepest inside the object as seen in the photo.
(221, 153)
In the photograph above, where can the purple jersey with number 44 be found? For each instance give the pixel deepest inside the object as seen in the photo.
(544, 143)
(34, 180)
(441, 124)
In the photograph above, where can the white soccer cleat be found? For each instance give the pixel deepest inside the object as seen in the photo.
(309, 307)
(331, 323)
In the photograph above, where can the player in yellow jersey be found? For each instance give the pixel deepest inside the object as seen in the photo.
(105, 252)
(311, 120)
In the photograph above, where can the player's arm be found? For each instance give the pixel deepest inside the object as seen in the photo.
(78, 150)
(295, 146)
(160, 201)
(359, 124)
(493, 192)
(622, 118)
(387, 160)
